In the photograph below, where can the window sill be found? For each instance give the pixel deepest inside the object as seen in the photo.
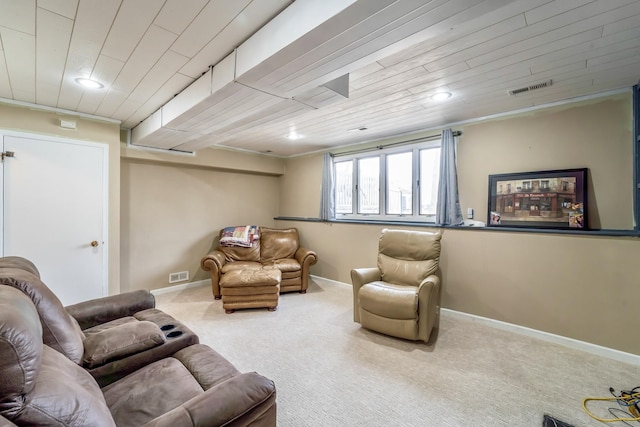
(601, 232)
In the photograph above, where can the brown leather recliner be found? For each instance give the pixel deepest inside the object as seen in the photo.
(195, 386)
(110, 337)
(401, 296)
(275, 248)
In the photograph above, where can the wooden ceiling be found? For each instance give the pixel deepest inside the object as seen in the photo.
(397, 54)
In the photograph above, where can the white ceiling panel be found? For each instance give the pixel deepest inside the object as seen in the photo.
(18, 15)
(91, 26)
(248, 21)
(397, 54)
(154, 44)
(52, 44)
(176, 15)
(213, 18)
(132, 21)
(66, 8)
(173, 86)
(20, 55)
(105, 71)
(5, 85)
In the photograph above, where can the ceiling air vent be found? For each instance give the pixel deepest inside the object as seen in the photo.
(540, 85)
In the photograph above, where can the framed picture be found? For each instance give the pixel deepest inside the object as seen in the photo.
(544, 199)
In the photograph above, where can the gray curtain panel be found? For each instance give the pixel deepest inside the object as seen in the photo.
(327, 208)
(448, 210)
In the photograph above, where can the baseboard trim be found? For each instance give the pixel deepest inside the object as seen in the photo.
(181, 287)
(598, 350)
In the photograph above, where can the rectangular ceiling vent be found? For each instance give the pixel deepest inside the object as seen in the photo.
(540, 85)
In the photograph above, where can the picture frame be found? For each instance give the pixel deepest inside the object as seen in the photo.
(554, 199)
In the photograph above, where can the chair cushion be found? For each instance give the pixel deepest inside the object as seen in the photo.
(389, 300)
(408, 257)
(60, 330)
(120, 341)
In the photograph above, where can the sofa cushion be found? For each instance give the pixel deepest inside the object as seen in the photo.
(286, 265)
(59, 329)
(120, 341)
(278, 244)
(150, 392)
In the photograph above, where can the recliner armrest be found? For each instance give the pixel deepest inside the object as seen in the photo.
(101, 310)
(246, 399)
(359, 277)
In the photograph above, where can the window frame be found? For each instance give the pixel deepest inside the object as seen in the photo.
(381, 153)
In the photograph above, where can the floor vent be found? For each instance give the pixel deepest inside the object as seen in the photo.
(180, 276)
(540, 85)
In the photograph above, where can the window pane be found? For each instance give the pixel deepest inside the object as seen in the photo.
(344, 187)
(369, 185)
(399, 188)
(429, 171)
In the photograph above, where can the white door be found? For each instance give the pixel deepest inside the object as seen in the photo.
(55, 210)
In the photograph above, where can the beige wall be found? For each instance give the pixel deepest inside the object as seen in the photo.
(582, 287)
(44, 122)
(172, 213)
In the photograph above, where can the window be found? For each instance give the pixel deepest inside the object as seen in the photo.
(398, 183)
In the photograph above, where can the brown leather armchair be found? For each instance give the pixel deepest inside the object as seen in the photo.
(111, 336)
(275, 248)
(194, 386)
(400, 297)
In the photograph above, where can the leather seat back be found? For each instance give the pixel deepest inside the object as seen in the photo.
(278, 244)
(39, 385)
(60, 330)
(408, 257)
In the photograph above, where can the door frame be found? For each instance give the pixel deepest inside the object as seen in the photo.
(105, 185)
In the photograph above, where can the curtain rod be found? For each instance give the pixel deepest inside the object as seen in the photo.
(395, 144)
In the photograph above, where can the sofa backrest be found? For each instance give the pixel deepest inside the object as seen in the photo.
(40, 386)
(278, 243)
(19, 263)
(60, 330)
(408, 257)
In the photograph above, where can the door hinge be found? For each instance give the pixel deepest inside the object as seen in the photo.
(6, 154)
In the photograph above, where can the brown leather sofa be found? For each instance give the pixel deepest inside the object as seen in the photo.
(275, 248)
(194, 386)
(110, 337)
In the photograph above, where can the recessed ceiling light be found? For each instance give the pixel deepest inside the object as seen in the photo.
(441, 96)
(91, 84)
(293, 135)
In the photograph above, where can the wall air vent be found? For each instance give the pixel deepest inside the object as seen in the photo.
(535, 86)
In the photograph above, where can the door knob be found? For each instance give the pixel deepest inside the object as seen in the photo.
(94, 243)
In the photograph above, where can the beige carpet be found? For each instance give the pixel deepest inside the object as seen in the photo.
(330, 372)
